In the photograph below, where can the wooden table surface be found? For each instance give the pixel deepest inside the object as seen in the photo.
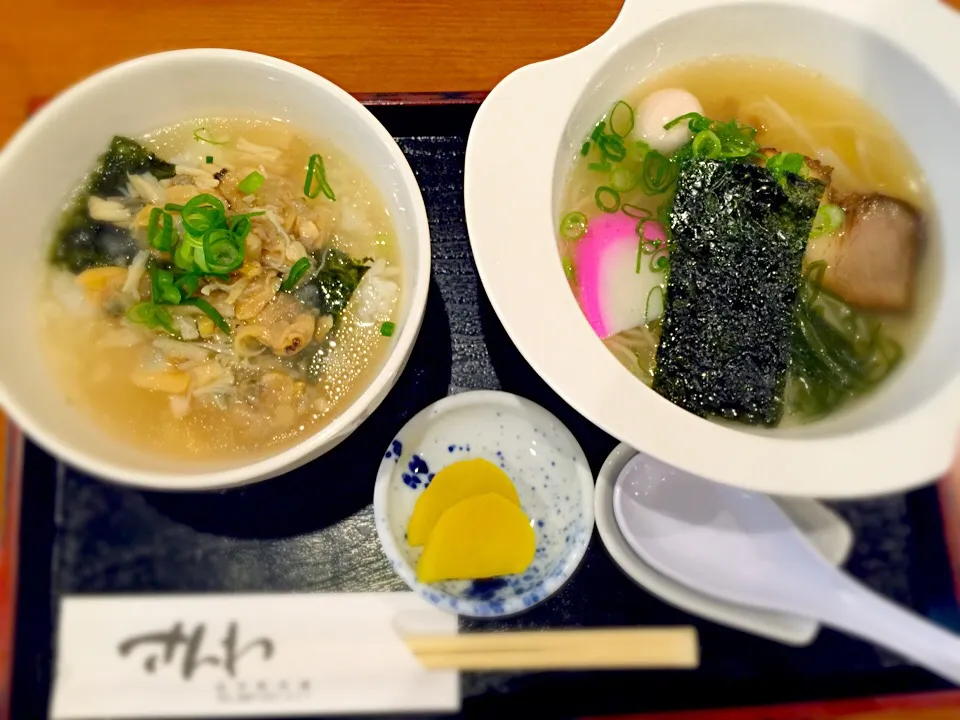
(363, 46)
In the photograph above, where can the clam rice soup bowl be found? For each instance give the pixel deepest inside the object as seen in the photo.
(221, 267)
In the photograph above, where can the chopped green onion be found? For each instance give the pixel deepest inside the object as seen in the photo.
(202, 213)
(736, 140)
(316, 181)
(573, 225)
(585, 148)
(183, 256)
(569, 270)
(829, 219)
(201, 134)
(299, 269)
(210, 311)
(387, 329)
(621, 119)
(160, 233)
(612, 147)
(664, 211)
(660, 260)
(603, 167)
(151, 315)
(162, 288)
(597, 131)
(607, 199)
(706, 144)
(636, 212)
(188, 284)
(698, 123)
(240, 226)
(173, 207)
(658, 174)
(623, 179)
(647, 319)
(251, 183)
(793, 163)
(221, 252)
(209, 159)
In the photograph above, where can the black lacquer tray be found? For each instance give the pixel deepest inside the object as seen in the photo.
(312, 530)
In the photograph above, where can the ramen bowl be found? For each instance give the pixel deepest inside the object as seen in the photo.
(900, 436)
(53, 152)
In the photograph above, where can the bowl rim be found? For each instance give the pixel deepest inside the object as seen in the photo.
(515, 604)
(604, 394)
(33, 131)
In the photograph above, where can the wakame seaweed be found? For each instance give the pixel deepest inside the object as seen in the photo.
(82, 242)
(126, 157)
(738, 239)
(330, 287)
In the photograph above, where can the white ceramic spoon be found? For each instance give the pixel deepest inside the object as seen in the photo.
(739, 546)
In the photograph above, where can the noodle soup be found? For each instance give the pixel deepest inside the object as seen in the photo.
(220, 288)
(749, 239)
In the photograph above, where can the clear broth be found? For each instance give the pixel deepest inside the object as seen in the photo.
(794, 110)
(95, 376)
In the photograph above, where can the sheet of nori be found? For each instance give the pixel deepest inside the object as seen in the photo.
(739, 239)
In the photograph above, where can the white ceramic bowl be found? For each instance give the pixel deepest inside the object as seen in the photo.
(44, 162)
(541, 457)
(902, 58)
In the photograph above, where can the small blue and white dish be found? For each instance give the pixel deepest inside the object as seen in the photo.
(547, 467)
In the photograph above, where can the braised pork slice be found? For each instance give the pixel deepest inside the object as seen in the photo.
(872, 262)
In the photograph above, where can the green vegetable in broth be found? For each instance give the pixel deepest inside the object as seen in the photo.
(659, 173)
(316, 181)
(210, 311)
(607, 199)
(706, 144)
(152, 315)
(160, 233)
(635, 211)
(334, 282)
(203, 212)
(573, 225)
(251, 183)
(829, 219)
(837, 352)
(125, 157)
(736, 141)
(612, 147)
(201, 134)
(621, 119)
(82, 242)
(299, 269)
(387, 329)
(163, 291)
(222, 253)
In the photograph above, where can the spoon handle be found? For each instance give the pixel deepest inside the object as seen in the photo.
(862, 612)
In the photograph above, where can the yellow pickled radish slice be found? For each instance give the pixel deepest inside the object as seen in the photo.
(452, 485)
(481, 537)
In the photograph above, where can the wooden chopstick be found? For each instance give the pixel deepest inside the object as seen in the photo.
(608, 648)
